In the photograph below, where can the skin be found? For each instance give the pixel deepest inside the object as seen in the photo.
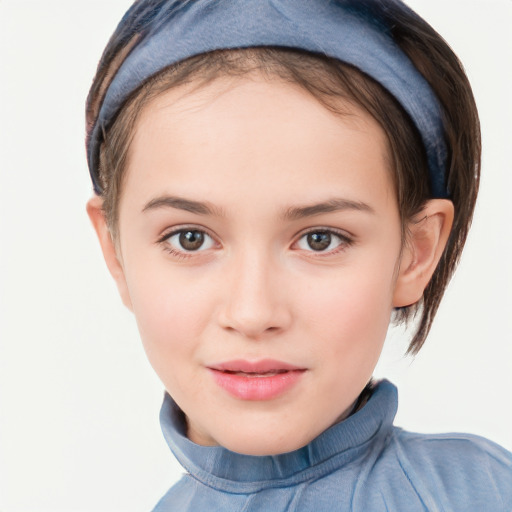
(256, 154)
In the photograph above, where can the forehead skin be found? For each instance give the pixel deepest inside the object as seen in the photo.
(204, 111)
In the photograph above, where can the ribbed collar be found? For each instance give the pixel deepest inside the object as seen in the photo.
(336, 447)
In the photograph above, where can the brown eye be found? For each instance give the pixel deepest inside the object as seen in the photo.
(323, 241)
(189, 240)
(319, 241)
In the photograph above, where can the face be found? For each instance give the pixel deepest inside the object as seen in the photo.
(259, 241)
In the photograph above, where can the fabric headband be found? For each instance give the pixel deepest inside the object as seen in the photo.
(347, 30)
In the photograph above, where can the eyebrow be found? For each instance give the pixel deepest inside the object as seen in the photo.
(333, 205)
(291, 213)
(179, 203)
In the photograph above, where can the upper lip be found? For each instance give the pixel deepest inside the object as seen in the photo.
(261, 366)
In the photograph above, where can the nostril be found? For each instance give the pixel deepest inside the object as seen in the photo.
(252, 305)
(253, 332)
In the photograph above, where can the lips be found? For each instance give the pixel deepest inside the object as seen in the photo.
(261, 380)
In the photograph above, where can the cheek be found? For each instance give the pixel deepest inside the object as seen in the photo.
(170, 310)
(350, 315)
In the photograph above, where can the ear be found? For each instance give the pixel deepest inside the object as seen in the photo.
(108, 246)
(427, 237)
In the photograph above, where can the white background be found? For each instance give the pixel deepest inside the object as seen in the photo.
(78, 401)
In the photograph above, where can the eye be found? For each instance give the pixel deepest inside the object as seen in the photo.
(322, 241)
(189, 240)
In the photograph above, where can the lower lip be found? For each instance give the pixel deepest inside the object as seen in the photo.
(248, 387)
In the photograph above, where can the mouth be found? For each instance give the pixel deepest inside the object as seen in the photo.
(260, 380)
(250, 375)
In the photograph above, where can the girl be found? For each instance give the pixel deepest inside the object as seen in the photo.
(275, 181)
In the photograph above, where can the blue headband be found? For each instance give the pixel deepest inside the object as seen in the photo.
(342, 29)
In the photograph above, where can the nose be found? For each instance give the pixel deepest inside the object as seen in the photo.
(256, 303)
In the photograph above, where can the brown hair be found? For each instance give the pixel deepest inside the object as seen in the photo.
(329, 81)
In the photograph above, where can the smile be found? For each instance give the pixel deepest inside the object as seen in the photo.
(262, 380)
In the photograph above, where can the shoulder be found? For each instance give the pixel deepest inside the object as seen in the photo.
(463, 469)
(453, 450)
(178, 497)
(452, 441)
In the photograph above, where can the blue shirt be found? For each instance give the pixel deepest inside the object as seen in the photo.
(363, 463)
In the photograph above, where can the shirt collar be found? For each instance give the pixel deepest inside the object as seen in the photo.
(233, 472)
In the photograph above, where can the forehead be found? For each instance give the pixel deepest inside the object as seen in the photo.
(248, 136)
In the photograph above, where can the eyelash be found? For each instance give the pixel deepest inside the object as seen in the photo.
(182, 254)
(345, 241)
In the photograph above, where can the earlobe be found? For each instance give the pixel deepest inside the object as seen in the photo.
(108, 247)
(426, 240)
